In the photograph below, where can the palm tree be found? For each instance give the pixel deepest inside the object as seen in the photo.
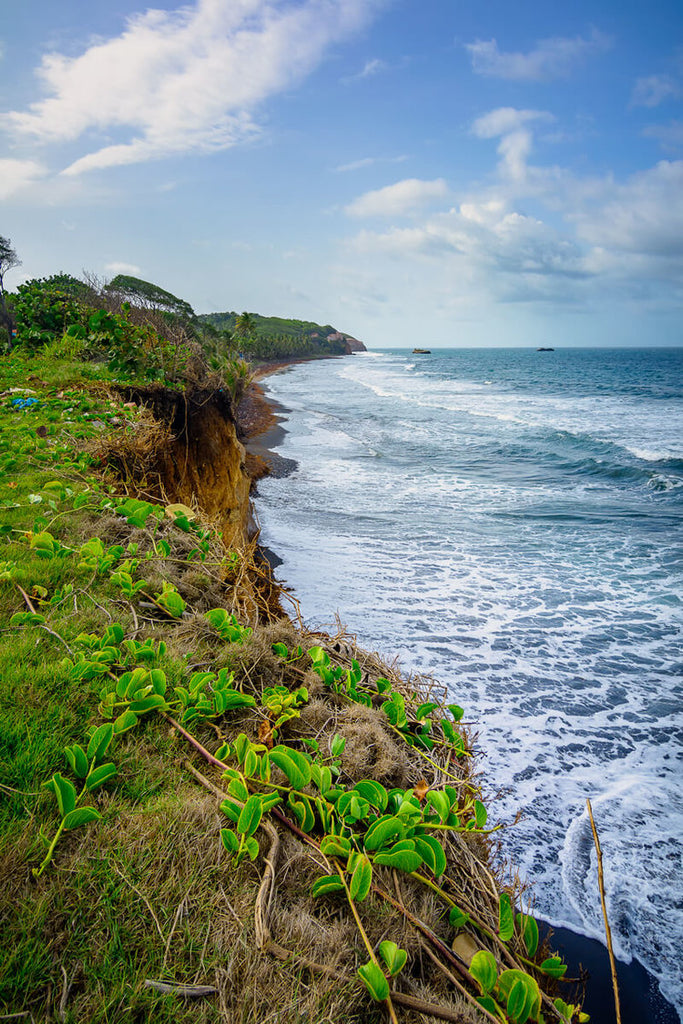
(245, 325)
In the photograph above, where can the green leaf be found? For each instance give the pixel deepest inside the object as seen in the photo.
(318, 656)
(327, 884)
(403, 860)
(393, 957)
(352, 808)
(395, 710)
(302, 811)
(293, 764)
(456, 711)
(322, 777)
(240, 746)
(337, 745)
(75, 755)
(522, 995)
(480, 814)
(432, 853)
(554, 967)
(519, 1003)
(280, 650)
(100, 775)
(251, 763)
(64, 791)
(448, 730)
(238, 788)
(506, 919)
(425, 709)
(484, 970)
(529, 929)
(270, 800)
(335, 846)
(361, 878)
(566, 1010)
(152, 702)
(81, 816)
(27, 619)
(383, 831)
(373, 792)
(252, 847)
(457, 917)
(437, 799)
(231, 809)
(230, 840)
(127, 720)
(375, 982)
(170, 600)
(250, 818)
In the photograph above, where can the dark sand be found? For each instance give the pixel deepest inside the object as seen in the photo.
(640, 998)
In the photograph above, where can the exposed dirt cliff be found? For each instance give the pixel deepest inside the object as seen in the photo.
(200, 461)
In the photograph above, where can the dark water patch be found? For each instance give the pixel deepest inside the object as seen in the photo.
(641, 1002)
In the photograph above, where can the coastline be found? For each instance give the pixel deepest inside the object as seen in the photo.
(641, 1000)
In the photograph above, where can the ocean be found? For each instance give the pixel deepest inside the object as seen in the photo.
(509, 521)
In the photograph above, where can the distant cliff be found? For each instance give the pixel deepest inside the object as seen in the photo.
(276, 337)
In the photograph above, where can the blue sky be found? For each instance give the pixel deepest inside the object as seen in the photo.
(443, 172)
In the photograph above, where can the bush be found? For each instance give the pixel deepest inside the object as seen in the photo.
(44, 307)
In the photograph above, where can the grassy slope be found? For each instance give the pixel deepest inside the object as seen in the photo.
(149, 892)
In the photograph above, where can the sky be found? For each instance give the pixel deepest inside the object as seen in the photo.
(414, 172)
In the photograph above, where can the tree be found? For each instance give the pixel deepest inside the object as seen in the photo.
(245, 325)
(8, 260)
(146, 295)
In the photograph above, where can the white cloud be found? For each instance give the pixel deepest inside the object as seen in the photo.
(123, 268)
(184, 80)
(398, 200)
(654, 89)
(372, 67)
(368, 161)
(644, 215)
(669, 135)
(505, 120)
(587, 242)
(552, 58)
(517, 139)
(18, 174)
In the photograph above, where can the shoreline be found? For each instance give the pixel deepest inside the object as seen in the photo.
(640, 997)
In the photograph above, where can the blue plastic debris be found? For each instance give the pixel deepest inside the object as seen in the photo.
(23, 403)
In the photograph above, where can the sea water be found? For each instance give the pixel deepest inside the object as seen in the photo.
(510, 521)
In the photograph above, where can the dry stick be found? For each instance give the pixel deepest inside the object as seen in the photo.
(184, 991)
(608, 933)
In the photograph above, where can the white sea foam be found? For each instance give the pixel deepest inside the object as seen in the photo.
(524, 563)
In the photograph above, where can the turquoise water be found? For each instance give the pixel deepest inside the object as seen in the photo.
(510, 521)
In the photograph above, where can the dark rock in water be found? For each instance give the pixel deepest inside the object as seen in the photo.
(545, 349)
(422, 352)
